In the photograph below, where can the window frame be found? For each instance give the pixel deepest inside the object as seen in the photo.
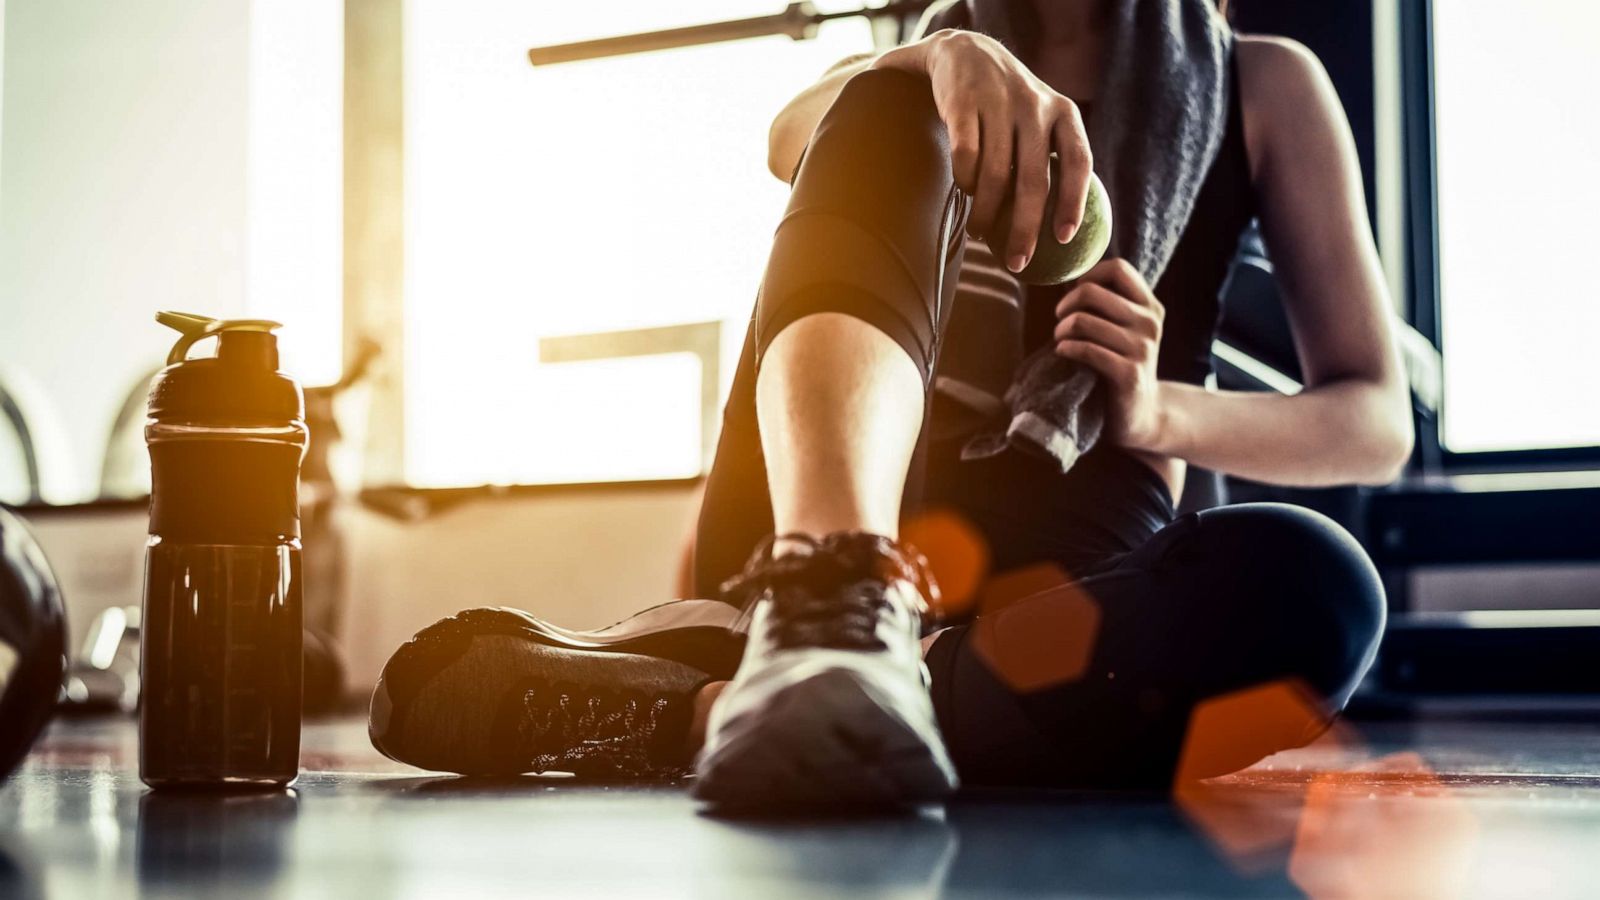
(1424, 301)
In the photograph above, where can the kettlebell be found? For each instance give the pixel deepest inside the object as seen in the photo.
(33, 641)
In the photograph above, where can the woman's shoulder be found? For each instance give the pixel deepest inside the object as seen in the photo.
(1278, 73)
(1266, 51)
(1282, 87)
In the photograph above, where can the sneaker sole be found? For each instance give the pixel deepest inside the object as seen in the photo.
(485, 653)
(824, 742)
(699, 633)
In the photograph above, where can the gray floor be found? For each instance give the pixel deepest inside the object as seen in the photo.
(1445, 810)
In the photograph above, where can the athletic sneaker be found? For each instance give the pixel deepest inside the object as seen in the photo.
(499, 692)
(830, 704)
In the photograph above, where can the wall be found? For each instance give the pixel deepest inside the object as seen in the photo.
(159, 154)
(122, 191)
(583, 559)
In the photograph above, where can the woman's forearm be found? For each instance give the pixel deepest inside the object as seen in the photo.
(1341, 432)
(794, 124)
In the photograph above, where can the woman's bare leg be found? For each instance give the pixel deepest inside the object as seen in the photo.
(840, 407)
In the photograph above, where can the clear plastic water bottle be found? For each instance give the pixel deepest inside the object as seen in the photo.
(221, 642)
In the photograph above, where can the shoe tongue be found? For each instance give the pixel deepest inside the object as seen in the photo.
(862, 555)
(847, 557)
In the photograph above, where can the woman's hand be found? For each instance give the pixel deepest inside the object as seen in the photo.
(1111, 321)
(1000, 116)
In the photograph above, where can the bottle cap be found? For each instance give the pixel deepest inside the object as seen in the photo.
(240, 385)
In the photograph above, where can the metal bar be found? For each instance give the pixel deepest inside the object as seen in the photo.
(799, 21)
(1254, 368)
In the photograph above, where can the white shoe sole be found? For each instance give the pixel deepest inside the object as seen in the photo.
(822, 742)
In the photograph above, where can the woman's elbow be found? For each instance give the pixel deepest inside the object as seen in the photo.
(1387, 449)
(1389, 459)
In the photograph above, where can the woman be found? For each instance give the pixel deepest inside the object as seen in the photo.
(809, 682)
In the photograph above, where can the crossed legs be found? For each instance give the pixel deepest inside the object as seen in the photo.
(823, 427)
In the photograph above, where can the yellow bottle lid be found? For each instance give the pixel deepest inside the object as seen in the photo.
(193, 328)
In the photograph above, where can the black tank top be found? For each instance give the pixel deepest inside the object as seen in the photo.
(1190, 286)
(1110, 501)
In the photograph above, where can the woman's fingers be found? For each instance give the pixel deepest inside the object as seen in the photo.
(1032, 186)
(1109, 304)
(1119, 276)
(1076, 162)
(1118, 369)
(1003, 123)
(1120, 339)
(994, 170)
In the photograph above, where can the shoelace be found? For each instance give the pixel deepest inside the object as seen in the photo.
(594, 731)
(832, 593)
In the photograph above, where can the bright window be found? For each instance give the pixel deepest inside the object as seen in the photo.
(1518, 137)
(598, 196)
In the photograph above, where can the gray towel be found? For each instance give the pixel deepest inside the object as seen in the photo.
(1159, 119)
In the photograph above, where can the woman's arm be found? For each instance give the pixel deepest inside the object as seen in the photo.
(794, 124)
(1352, 422)
(1002, 122)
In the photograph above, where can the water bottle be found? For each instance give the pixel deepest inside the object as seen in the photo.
(221, 640)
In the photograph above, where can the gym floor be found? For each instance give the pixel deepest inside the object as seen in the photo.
(1443, 809)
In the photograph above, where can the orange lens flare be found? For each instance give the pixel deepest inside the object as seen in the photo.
(1231, 731)
(1253, 826)
(1389, 828)
(1010, 586)
(1359, 828)
(1041, 640)
(957, 555)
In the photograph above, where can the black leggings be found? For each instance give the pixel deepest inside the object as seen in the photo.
(873, 229)
(1186, 609)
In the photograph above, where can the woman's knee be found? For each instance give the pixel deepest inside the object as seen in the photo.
(862, 232)
(1311, 585)
(881, 156)
(885, 112)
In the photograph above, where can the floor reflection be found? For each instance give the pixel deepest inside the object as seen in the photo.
(1391, 828)
(19, 878)
(1096, 845)
(1444, 811)
(213, 842)
(1385, 827)
(907, 854)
